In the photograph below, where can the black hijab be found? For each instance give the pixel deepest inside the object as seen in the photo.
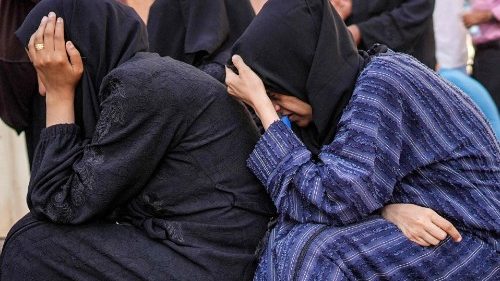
(105, 32)
(302, 48)
(197, 31)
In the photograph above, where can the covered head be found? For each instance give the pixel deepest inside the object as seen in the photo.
(197, 31)
(303, 48)
(105, 32)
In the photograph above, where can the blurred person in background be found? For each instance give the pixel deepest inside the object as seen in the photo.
(21, 107)
(198, 32)
(403, 25)
(486, 69)
(452, 56)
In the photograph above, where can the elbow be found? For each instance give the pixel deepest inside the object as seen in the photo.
(60, 213)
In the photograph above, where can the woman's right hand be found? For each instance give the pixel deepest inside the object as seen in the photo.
(249, 88)
(419, 224)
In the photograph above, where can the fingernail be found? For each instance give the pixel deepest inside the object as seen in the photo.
(235, 57)
(52, 15)
(69, 44)
(44, 19)
(59, 20)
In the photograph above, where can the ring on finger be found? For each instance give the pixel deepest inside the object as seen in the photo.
(39, 46)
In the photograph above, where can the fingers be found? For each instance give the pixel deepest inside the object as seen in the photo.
(36, 38)
(447, 227)
(230, 76)
(40, 31)
(427, 237)
(420, 242)
(48, 32)
(435, 231)
(31, 48)
(239, 63)
(59, 45)
(74, 57)
(415, 238)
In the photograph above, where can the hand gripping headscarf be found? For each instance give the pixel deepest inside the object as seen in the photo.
(105, 32)
(303, 48)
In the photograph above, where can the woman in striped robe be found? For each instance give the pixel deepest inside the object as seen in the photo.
(369, 130)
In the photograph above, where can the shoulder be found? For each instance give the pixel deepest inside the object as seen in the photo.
(164, 78)
(402, 72)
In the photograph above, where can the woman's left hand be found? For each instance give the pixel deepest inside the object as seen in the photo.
(56, 72)
(249, 88)
(419, 224)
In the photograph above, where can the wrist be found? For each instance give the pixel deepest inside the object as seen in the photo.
(266, 113)
(60, 109)
(386, 213)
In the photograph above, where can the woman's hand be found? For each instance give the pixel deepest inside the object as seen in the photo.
(343, 7)
(421, 225)
(248, 87)
(58, 74)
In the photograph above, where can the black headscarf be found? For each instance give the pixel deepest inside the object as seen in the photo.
(302, 48)
(105, 32)
(197, 31)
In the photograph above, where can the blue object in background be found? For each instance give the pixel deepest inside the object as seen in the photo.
(287, 122)
(477, 93)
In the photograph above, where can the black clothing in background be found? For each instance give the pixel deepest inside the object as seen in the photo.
(21, 107)
(167, 158)
(487, 68)
(198, 32)
(403, 25)
(311, 71)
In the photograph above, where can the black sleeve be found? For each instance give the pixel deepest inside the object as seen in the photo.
(396, 27)
(74, 180)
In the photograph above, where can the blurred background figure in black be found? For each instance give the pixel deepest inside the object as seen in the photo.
(21, 107)
(403, 25)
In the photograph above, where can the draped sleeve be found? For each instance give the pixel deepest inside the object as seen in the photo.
(74, 180)
(354, 176)
(395, 28)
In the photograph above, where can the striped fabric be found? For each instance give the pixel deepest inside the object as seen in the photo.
(405, 137)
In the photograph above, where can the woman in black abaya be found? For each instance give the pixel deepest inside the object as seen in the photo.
(132, 179)
(198, 32)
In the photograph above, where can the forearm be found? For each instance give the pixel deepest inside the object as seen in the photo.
(266, 112)
(60, 111)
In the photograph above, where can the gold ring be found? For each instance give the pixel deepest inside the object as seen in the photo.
(39, 46)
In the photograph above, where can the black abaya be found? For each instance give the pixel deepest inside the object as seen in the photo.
(151, 182)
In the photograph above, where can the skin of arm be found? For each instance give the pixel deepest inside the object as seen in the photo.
(419, 224)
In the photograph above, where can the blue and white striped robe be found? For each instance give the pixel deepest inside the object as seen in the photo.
(406, 136)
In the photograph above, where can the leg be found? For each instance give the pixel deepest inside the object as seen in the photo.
(373, 250)
(36, 250)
